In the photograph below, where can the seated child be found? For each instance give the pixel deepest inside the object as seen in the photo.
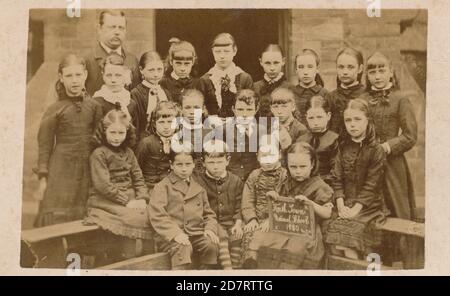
(323, 140)
(180, 213)
(118, 195)
(282, 106)
(191, 128)
(255, 208)
(152, 152)
(242, 133)
(304, 185)
(357, 179)
(224, 194)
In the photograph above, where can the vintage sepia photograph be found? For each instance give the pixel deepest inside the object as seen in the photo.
(224, 139)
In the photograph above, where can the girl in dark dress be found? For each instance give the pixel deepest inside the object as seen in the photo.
(64, 147)
(309, 81)
(396, 131)
(149, 92)
(118, 195)
(324, 141)
(357, 183)
(392, 112)
(349, 67)
(152, 152)
(272, 60)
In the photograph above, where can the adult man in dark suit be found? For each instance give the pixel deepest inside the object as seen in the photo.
(111, 30)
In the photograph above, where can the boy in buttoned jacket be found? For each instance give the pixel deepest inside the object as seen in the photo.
(181, 216)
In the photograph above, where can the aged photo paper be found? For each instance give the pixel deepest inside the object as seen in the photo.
(218, 137)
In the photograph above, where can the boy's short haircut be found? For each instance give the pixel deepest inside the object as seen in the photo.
(248, 96)
(215, 149)
(112, 59)
(190, 93)
(282, 95)
(184, 147)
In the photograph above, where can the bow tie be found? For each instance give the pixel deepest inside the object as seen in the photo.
(381, 96)
(225, 83)
(315, 139)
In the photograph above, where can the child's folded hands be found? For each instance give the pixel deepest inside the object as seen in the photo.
(237, 230)
(265, 227)
(137, 204)
(251, 226)
(39, 195)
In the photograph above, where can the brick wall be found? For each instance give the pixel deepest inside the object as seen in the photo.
(63, 35)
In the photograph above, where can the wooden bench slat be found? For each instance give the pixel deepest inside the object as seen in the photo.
(404, 226)
(57, 230)
(157, 261)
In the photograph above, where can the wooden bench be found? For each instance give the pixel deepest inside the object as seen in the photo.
(157, 261)
(49, 246)
(415, 254)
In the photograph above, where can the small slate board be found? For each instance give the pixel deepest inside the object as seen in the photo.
(291, 217)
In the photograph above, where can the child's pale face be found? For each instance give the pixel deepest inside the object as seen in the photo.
(317, 119)
(114, 77)
(348, 69)
(192, 109)
(268, 160)
(163, 126)
(73, 78)
(306, 69)
(244, 112)
(272, 63)
(283, 110)
(183, 165)
(380, 77)
(216, 166)
(224, 55)
(182, 63)
(116, 134)
(356, 123)
(153, 71)
(299, 165)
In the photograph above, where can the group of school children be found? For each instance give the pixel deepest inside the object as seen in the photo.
(110, 158)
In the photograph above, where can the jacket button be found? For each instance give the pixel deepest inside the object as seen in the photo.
(218, 192)
(242, 166)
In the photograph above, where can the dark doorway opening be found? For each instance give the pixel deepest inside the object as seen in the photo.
(35, 55)
(252, 29)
